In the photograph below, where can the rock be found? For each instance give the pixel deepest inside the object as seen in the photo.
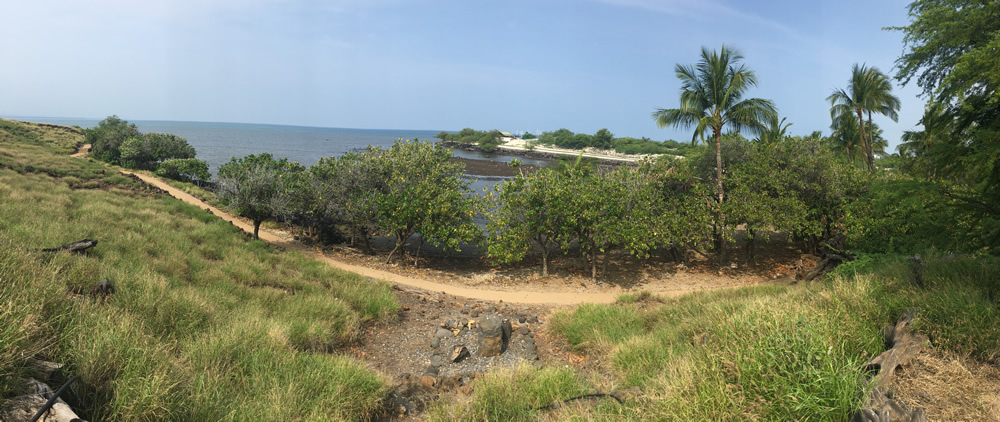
(23, 408)
(533, 319)
(451, 382)
(523, 331)
(521, 319)
(48, 371)
(460, 353)
(475, 313)
(507, 330)
(435, 342)
(428, 381)
(464, 311)
(437, 361)
(443, 332)
(102, 289)
(451, 324)
(490, 336)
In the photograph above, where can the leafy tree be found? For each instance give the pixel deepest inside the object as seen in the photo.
(951, 49)
(869, 90)
(184, 169)
(424, 193)
(258, 187)
(106, 139)
(712, 98)
(528, 135)
(147, 151)
(348, 189)
(522, 213)
(603, 139)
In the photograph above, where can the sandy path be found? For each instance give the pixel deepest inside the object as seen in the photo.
(525, 297)
(84, 150)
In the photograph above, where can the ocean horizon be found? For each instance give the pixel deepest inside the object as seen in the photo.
(217, 142)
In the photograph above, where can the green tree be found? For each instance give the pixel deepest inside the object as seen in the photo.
(845, 136)
(147, 151)
(869, 91)
(523, 213)
(424, 193)
(106, 139)
(258, 187)
(712, 98)
(603, 139)
(951, 49)
(775, 131)
(184, 169)
(348, 189)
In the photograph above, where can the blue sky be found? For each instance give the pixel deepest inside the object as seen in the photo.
(431, 64)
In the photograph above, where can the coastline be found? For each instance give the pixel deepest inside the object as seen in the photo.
(545, 153)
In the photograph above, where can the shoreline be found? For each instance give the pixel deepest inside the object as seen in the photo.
(545, 154)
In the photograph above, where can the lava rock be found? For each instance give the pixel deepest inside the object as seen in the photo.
(437, 361)
(460, 353)
(490, 336)
(443, 333)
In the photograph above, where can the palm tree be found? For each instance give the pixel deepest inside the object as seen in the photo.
(712, 98)
(775, 131)
(845, 135)
(869, 91)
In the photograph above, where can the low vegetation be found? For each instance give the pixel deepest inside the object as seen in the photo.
(485, 139)
(771, 352)
(205, 324)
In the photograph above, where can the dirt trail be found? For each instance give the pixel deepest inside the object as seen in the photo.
(607, 295)
(84, 150)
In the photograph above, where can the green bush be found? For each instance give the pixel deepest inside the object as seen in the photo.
(184, 169)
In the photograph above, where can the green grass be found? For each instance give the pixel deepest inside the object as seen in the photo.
(205, 324)
(769, 352)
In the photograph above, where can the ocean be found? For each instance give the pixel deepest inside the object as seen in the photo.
(216, 143)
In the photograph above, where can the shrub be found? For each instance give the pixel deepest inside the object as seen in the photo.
(184, 169)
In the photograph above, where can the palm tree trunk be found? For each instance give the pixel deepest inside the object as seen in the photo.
(871, 142)
(720, 217)
(864, 143)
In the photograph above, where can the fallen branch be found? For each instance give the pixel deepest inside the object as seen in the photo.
(903, 345)
(79, 245)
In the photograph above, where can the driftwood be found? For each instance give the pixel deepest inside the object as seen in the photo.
(903, 345)
(79, 245)
(826, 265)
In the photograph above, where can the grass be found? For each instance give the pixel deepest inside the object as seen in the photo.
(205, 325)
(769, 352)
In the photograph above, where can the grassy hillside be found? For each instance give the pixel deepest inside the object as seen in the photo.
(205, 324)
(770, 352)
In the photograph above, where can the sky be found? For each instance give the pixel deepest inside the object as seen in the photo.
(533, 65)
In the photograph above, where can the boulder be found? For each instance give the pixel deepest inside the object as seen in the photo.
(490, 336)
